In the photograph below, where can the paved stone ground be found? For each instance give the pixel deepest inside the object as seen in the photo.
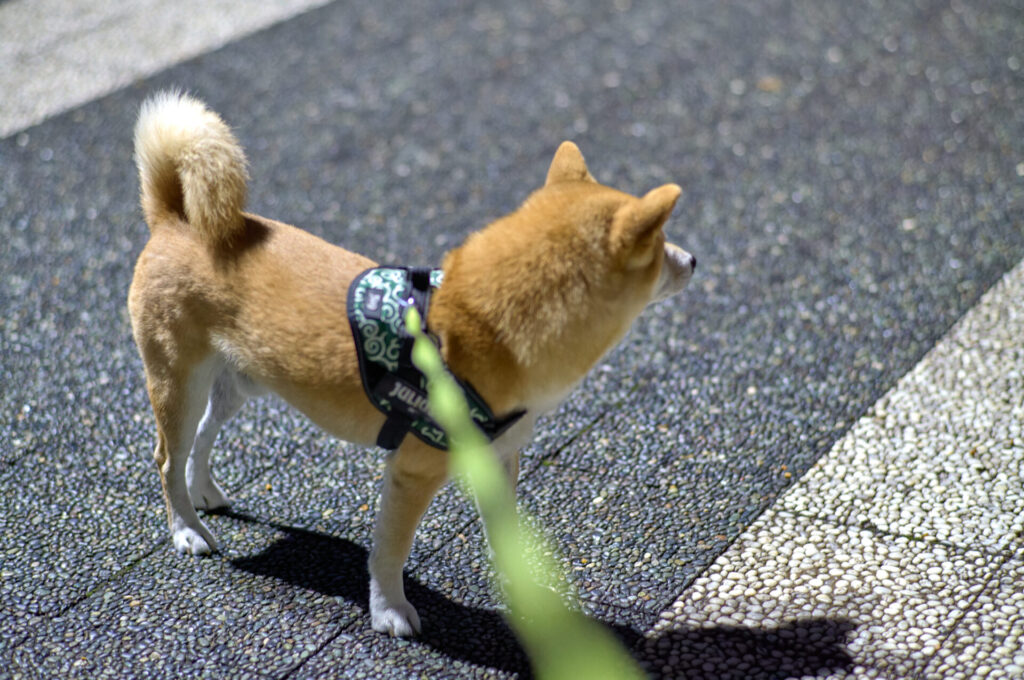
(853, 177)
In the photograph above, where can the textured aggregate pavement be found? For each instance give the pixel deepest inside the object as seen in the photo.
(853, 177)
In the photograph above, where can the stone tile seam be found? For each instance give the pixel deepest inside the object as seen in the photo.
(1007, 552)
(963, 327)
(356, 623)
(101, 586)
(96, 589)
(164, 540)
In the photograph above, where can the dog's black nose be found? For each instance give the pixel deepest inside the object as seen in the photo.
(693, 262)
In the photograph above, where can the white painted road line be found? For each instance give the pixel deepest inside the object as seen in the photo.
(57, 54)
(903, 543)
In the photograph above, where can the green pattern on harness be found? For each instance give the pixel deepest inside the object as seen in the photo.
(382, 333)
(377, 300)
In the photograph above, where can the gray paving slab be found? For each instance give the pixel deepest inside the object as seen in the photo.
(853, 184)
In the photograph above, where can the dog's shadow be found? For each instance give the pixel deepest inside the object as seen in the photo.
(337, 568)
(811, 647)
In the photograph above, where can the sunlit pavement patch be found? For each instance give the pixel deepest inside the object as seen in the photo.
(88, 49)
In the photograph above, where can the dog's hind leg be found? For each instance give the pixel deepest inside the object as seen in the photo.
(226, 398)
(177, 397)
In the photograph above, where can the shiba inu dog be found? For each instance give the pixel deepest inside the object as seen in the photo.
(226, 305)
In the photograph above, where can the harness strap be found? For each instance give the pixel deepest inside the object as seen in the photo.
(392, 432)
(407, 377)
(377, 301)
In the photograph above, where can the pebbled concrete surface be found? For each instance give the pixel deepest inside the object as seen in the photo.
(853, 178)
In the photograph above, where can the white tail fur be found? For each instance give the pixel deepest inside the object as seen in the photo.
(191, 165)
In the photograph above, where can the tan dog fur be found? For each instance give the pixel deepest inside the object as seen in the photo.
(225, 305)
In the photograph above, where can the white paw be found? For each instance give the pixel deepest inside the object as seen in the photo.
(190, 542)
(390, 612)
(208, 495)
(400, 620)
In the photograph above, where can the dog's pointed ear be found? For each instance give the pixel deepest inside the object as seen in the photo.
(637, 223)
(568, 165)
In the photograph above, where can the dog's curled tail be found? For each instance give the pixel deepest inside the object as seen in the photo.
(191, 165)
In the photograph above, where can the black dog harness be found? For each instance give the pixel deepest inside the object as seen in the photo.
(377, 301)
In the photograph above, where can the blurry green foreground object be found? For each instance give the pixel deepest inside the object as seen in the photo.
(561, 644)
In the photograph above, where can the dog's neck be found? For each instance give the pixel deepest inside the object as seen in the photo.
(524, 334)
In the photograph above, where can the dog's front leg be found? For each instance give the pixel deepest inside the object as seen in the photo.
(413, 475)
